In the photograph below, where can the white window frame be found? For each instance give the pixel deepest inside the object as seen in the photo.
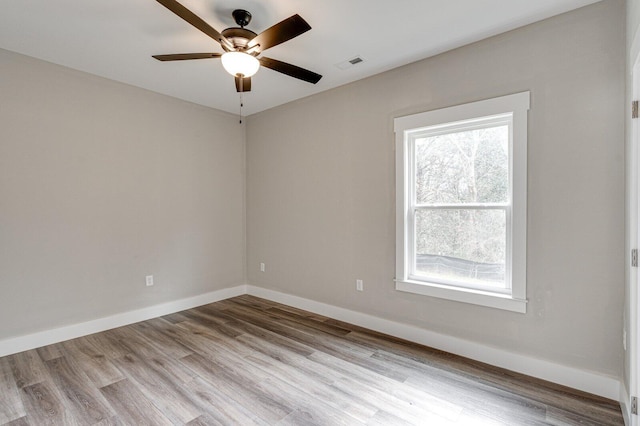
(514, 297)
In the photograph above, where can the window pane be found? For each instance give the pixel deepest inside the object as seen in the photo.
(470, 166)
(461, 244)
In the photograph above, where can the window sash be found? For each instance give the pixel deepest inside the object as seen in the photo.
(411, 137)
(413, 275)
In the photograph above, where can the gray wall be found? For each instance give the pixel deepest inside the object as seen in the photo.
(101, 184)
(320, 188)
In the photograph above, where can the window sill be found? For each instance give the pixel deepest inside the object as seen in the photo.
(475, 297)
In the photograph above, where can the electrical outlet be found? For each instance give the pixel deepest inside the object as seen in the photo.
(149, 280)
(359, 285)
(262, 267)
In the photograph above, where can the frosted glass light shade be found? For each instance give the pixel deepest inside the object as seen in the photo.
(240, 63)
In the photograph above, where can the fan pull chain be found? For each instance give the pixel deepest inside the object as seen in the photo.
(241, 105)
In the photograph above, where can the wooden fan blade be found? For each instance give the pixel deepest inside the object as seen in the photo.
(186, 56)
(290, 70)
(243, 84)
(194, 20)
(279, 33)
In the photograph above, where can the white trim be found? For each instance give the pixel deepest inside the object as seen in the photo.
(633, 304)
(487, 107)
(465, 295)
(587, 381)
(624, 404)
(515, 105)
(60, 334)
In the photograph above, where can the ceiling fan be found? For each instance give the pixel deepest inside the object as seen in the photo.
(242, 46)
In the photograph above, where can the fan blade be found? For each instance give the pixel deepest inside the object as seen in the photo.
(279, 33)
(185, 56)
(243, 84)
(194, 20)
(290, 70)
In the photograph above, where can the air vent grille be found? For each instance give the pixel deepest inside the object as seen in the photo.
(350, 62)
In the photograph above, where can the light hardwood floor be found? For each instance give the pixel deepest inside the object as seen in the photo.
(247, 361)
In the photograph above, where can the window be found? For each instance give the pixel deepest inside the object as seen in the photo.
(461, 180)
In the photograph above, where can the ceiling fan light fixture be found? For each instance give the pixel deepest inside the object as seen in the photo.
(242, 45)
(240, 64)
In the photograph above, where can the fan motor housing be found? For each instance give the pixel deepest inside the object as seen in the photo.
(239, 37)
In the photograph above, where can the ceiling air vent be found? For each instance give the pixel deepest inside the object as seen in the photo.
(350, 63)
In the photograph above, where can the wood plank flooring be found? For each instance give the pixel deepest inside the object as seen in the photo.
(248, 361)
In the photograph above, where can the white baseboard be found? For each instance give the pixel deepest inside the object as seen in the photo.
(47, 337)
(587, 381)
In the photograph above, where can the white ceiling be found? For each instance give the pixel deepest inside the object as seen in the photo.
(116, 38)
